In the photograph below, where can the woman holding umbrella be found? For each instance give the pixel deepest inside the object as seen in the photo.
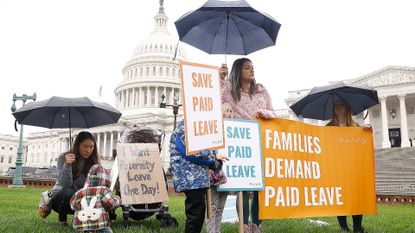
(247, 99)
(73, 167)
(342, 116)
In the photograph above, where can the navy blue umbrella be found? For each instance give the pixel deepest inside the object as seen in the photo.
(319, 102)
(60, 112)
(227, 27)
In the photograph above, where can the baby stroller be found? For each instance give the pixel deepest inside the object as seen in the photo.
(137, 134)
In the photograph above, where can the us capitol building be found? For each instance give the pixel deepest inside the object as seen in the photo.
(151, 72)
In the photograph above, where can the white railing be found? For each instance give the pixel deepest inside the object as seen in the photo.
(398, 189)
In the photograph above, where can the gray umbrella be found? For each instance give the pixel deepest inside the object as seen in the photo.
(319, 102)
(227, 27)
(60, 112)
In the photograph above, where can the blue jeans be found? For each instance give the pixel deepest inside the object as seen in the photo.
(254, 207)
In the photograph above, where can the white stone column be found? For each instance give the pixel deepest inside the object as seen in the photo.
(116, 101)
(134, 102)
(156, 98)
(404, 121)
(385, 128)
(128, 98)
(141, 97)
(105, 146)
(111, 143)
(131, 97)
(172, 96)
(148, 96)
(137, 97)
(67, 144)
(99, 142)
(61, 148)
(121, 99)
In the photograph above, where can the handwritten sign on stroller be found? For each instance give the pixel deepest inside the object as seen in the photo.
(202, 107)
(140, 173)
(243, 147)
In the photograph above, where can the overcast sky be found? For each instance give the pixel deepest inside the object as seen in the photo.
(71, 48)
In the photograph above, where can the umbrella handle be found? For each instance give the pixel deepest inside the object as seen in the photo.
(367, 113)
(15, 126)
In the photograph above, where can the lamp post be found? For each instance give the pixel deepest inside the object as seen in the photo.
(17, 180)
(175, 107)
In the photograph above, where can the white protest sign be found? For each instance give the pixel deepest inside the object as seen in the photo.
(140, 173)
(202, 107)
(244, 170)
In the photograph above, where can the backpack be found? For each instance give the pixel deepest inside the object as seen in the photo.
(45, 204)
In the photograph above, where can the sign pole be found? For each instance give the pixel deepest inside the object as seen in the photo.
(241, 212)
(209, 203)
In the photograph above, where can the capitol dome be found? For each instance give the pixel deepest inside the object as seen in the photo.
(152, 71)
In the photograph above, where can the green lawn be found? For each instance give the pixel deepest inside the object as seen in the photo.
(18, 213)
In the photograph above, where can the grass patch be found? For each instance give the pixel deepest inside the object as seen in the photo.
(18, 213)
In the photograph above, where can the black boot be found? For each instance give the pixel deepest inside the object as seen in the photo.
(359, 230)
(345, 228)
(343, 223)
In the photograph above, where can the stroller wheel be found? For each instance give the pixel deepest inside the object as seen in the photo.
(168, 221)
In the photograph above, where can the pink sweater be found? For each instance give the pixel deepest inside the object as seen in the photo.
(247, 108)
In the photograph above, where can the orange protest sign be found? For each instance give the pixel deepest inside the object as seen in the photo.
(312, 171)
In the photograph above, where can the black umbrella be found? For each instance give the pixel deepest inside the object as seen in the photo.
(319, 102)
(60, 112)
(227, 27)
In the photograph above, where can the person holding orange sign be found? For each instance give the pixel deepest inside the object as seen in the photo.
(248, 100)
(342, 116)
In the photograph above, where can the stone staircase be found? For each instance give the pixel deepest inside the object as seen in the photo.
(395, 171)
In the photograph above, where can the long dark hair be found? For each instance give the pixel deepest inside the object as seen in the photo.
(93, 159)
(235, 80)
(349, 119)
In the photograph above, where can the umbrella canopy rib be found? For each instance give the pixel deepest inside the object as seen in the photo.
(239, 31)
(327, 99)
(216, 33)
(54, 118)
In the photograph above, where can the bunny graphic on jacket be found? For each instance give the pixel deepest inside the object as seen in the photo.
(88, 212)
(92, 203)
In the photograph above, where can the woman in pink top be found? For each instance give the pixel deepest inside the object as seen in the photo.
(247, 99)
